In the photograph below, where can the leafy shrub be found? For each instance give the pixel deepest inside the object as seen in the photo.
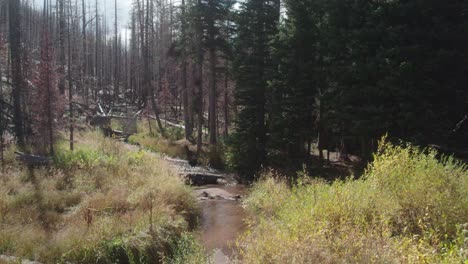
(407, 208)
(175, 133)
(79, 158)
(187, 249)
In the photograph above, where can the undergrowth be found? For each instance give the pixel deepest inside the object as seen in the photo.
(152, 140)
(409, 207)
(188, 250)
(173, 144)
(102, 203)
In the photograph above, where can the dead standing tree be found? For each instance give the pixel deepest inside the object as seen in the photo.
(47, 102)
(16, 68)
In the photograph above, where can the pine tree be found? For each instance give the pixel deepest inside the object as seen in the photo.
(297, 79)
(257, 24)
(214, 13)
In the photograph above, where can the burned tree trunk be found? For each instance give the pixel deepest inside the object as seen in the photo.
(16, 71)
(61, 68)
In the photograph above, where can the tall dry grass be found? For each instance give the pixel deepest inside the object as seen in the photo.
(102, 203)
(151, 139)
(409, 207)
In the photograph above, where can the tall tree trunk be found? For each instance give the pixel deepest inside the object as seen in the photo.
(96, 57)
(212, 96)
(147, 59)
(85, 53)
(1, 115)
(212, 117)
(70, 85)
(185, 92)
(226, 100)
(16, 71)
(321, 144)
(199, 77)
(153, 101)
(50, 120)
(62, 29)
(116, 56)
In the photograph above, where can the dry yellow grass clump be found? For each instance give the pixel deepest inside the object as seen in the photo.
(102, 203)
(409, 207)
(151, 139)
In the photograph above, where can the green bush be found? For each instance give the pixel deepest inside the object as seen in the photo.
(136, 249)
(407, 208)
(187, 250)
(175, 133)
(429, 195)
(79, 158)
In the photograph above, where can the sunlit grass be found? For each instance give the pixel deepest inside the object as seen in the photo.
(102, 203)
(188, 250)
(408, 208)
(151, 139)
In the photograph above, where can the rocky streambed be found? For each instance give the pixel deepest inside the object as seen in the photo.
(222, 216)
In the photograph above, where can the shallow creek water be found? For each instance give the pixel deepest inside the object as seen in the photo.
(222, 216)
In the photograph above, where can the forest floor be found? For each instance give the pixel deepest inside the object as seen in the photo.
(331, 217)
(100, 203)
(222, 216)
(109, 202)
(407, 207)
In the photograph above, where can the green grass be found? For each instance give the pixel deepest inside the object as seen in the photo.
(102, 203)
(152, 140)
(173, 145)
(409, 207)
(188, 250)
(157, 144)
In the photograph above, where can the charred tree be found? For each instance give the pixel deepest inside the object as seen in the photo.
(16, 70)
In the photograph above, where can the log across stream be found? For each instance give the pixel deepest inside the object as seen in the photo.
(222, 216)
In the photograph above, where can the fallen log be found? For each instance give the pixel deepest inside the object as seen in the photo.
(33, 160)
(169, 123)
(109, 132)
(199, 179)
(102, 110)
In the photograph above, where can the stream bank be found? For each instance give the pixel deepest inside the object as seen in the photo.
(222, 215)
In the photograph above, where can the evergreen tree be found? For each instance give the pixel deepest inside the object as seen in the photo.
(296, 81)
(257, 25)
(208, 19)
(398, 68)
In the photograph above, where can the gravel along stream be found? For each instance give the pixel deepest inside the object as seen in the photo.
(222, 217)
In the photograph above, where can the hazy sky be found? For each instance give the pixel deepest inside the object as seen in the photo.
(123, 9)
(107, 6)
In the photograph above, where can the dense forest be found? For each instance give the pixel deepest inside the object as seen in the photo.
(244, 86)
(266, 78)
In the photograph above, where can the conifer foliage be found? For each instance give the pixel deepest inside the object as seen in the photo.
(257, 25)
(282, 76)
